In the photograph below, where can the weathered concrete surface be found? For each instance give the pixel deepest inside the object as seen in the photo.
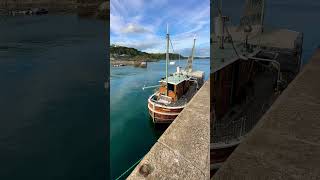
(271, 37)
(285, 144)
(182, 152)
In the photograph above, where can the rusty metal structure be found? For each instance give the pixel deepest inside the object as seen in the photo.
(251, 66)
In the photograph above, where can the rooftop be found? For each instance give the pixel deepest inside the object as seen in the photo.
(197, 74)
(270, 38)
(226, 56)
(175, 79)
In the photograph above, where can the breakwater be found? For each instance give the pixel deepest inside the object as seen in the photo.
(182, 152)
(285, 142)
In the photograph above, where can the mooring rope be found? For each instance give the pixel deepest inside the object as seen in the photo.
(171, 46)
(128, 169)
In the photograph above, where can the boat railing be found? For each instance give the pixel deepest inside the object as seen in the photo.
(238, 126)
(225, 132)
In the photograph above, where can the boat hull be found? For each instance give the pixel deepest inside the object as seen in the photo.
(218, 155)
(163, 114)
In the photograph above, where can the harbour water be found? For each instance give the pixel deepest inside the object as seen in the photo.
(132, 131)
(53, 108)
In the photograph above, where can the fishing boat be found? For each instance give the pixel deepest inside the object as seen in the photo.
(172, 63)
(175, 90)
(143, 64)
(252, 65)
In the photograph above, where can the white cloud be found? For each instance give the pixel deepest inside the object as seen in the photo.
(116, 23)
(144, 45)
(148, 42)
(200, 52)
(134, 5)
(117, 8)
(141, 24)
(134, 28)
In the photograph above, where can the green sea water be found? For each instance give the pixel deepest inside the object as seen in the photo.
(52, 103)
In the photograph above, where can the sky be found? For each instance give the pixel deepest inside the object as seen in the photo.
(142, 24)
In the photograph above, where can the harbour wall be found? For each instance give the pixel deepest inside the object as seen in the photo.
(285, 143)
(182, 152)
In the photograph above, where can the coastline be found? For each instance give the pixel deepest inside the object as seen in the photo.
(94, 9)
(135, 62)
(124, 62)
(130, 62)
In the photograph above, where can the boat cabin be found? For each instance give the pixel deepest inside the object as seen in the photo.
(178, 85)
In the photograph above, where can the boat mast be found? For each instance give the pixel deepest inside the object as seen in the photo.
(167, 59)
(190, 59)
(179, 58)
(221, 25)
(192, 55)
(262, 14)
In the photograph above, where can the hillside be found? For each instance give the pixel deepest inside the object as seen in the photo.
(85, 8)
(132, 54)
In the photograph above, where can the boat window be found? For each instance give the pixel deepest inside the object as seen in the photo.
(170, 87)
(215, 76)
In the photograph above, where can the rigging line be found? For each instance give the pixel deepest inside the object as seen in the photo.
(174, 51)
(171, 45)
(232, 43)
(128, 169)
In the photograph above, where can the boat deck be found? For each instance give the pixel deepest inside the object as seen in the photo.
(223, 57)
(271, 38)
(183, 100)
(186, 97)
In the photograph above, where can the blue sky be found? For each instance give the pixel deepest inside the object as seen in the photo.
(141, 24)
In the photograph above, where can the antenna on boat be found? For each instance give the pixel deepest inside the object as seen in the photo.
(167, 58)
(190, 59)
(221, 26)
(179, 58)
(193, 47)
(262, 14)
